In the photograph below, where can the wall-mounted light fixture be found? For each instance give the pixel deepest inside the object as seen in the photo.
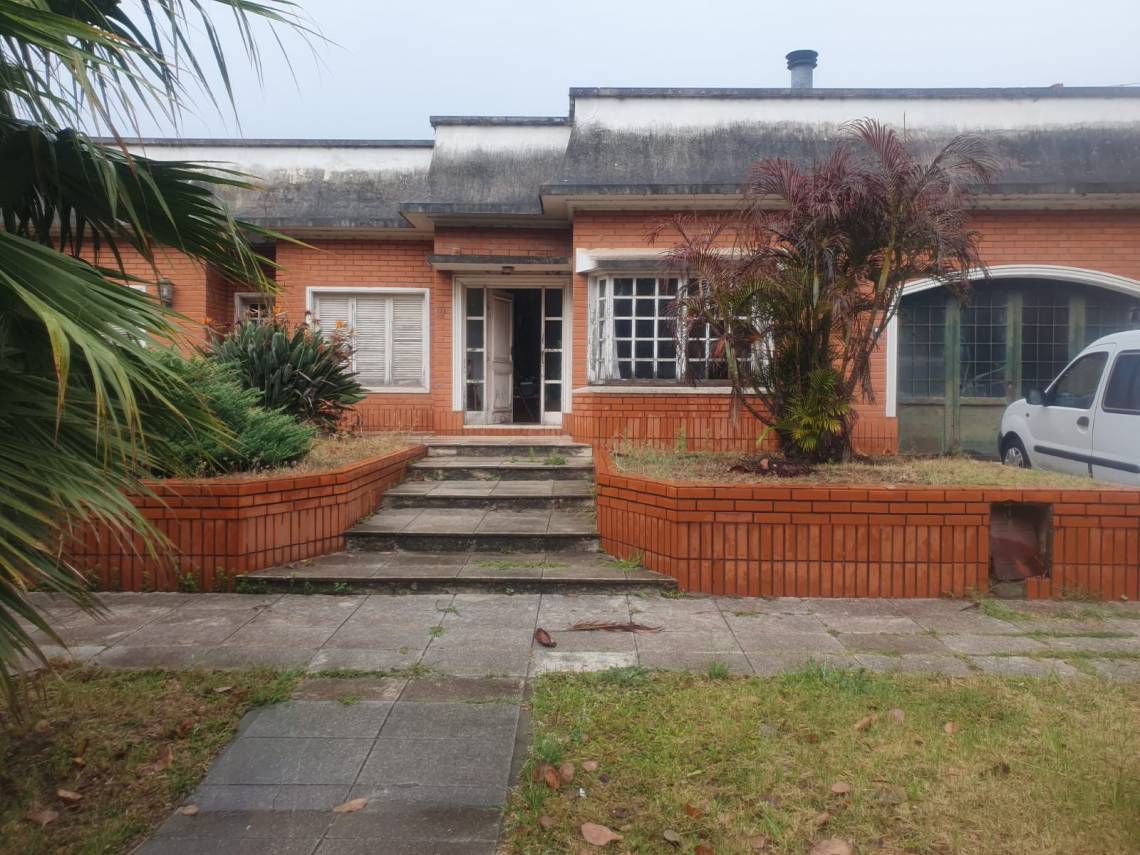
(166, 292)
(508, 269)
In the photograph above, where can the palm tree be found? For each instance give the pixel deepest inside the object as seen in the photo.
(78, 370)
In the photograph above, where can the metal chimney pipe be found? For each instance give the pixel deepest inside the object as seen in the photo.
(801, 63)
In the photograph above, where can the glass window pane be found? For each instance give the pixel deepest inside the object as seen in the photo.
(553, 297)
(475, 333)
(1077, 386)
(552, 397)
(553, 335)
(624, 349)
(665, 328)
(475, 365)
(643, 349)
(667, 349)
(623, 308)
(1123, 392)
(983, 346)
(623, 287)
(1044, 337)
(623, 329)
(475, 302)
(644, 329)
(1107, 313)
(669, 287)
(625, 368)
(475, 397)
(646, 308)
(922, 348)
(643, 370)
(646, 287)
(667, 370)
(553, 366)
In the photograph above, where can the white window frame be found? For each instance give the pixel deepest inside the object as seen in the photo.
(242, 298)
(313, 292)
(593, 341)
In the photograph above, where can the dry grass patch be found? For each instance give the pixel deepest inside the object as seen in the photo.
(130, 744)
(713, 466)
(890, 763)
(332, 452)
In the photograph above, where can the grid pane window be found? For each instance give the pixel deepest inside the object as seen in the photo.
(922, 346)
(552, 350)
(983, 346)
(476, 317)
(1044, 337)
(643, 330)
(1106, 314)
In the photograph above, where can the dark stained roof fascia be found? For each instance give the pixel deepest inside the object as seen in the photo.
(510, 260)
(230, 142)
(522, 121)
(728, 189)
(1028, 92)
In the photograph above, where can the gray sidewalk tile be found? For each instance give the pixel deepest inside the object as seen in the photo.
(866, 642)
(439, 762)
(918, 664)
(451, 720)
(290, 761)
(319, 718)
(1021, 666)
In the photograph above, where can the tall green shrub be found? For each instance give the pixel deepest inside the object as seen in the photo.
(250, 437)
(296, 370)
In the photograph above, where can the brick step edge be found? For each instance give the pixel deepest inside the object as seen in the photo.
(384, 541)
(298, 584)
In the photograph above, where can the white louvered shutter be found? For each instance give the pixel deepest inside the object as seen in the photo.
(371, 329)
(408, 340)
(331, 309)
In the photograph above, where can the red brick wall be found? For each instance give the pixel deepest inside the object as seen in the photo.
(856, 541)
(223, 528)
(544, 243)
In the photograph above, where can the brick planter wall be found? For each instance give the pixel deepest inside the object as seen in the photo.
(224, 528)
(858, 541)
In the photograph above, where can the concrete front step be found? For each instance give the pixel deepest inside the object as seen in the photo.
(491, 495)
(520, 447)
(482, 529)
(513, 468)
(361, 572)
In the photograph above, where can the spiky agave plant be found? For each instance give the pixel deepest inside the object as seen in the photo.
(800, 283)
(296, 369)
(78, 380)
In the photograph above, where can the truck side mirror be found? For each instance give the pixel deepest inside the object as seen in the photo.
(1035, 397)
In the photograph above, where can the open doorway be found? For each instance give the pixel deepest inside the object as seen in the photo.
(513, 355)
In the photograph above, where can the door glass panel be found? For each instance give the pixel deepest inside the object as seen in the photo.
(552, 400)
(922, 346)
(1076, 388)
(553, 366)
(552, 351)
(1044, 337)
(983, 343)
(475, 352)
(554, 334)
(553, 304)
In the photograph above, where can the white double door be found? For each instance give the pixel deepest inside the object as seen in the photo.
(500, 357)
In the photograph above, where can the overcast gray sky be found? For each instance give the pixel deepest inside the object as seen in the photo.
(389, 64)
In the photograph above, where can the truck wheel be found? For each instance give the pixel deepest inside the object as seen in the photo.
(1014, 454)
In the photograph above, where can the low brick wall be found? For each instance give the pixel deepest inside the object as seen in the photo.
(856, 541)
(221, 529)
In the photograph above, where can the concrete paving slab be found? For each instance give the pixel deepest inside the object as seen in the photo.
(290, 761)
(421, 822)
(870, 623)
(464, 661)
(758, 644)
(1120, 670)
(373, 845)
(328, 658)
(173, 845)
(378, 794)
(697, 661)
(246, 825)
(985, 645)
(319, 718)
(357, 688)
(767, 664)
(679, 642)
(866, 642)
(489, 719)
(256, 634)
(552, 661)
(191, 627)
(1021, 666)
(592, 642)
(439, 762)
(918, 664)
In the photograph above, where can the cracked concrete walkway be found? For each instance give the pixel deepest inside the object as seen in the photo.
(433, 755)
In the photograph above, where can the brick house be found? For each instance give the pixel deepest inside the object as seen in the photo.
(499, 278)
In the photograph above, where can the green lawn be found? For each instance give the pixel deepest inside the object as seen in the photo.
(746, 765)
(130, 744)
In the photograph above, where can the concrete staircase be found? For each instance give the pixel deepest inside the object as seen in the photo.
(479, 513)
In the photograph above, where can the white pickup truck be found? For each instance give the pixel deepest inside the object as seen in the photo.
(1088, 421)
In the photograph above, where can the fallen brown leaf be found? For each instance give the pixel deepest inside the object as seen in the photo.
(590, 765)
(832, 846)
(694, 811)
(821, 819)
(42, 726)
(703, 850)
(351, 806)
(43, 816)
(566, 772)
(543, 638)
(866, 721)
(79, 761)
(165, 759)
(672, 837)
(598, 835)
(551, 777)
(183, 727)
(69, 796)
(221, 690)
(896, 714)
(189, 810)
(951, 727)
(840, 788)
(545, 821)
(999, 769)
(758, 843)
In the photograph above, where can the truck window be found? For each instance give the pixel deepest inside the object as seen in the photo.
(1123, 392)
(1076, 387)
